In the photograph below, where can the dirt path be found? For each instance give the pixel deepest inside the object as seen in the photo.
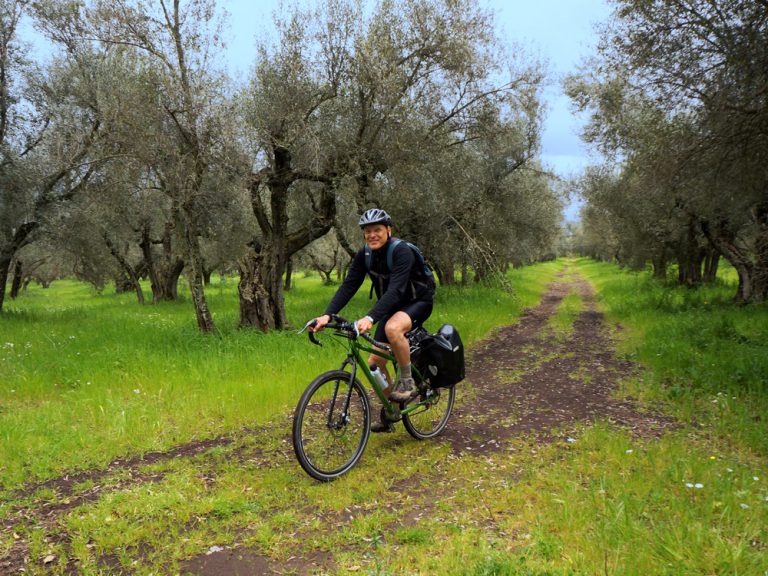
(527, 380)
(538, 382)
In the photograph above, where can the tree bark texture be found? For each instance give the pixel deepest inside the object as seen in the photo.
(690, 257)
(5, 263)
(288, 275)
(711, 264)
(7, 253)
(131, 277)
(750, 262)
(195, 272)
(262, 301)
(255, 306)
(18, 271)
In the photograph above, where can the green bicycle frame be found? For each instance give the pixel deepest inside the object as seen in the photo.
(355, 358)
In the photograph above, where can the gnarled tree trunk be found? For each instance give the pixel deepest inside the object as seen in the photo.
(5, 263)
(18, 271)
(262, 301)
(711, 264)
(131, 277)
(255, 304)
(8, 251)
(750, 265)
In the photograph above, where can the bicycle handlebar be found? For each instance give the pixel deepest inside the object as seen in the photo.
(345, 328)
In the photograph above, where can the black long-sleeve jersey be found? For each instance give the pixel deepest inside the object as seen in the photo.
(403, 284)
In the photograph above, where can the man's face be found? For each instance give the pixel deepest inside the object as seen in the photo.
(376, 235)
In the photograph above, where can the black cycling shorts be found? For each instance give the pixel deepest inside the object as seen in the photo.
(418, 310)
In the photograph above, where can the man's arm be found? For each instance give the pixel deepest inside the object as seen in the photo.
(350, 285)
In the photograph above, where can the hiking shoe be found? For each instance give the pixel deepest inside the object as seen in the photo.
(404, 390)
(382, 425)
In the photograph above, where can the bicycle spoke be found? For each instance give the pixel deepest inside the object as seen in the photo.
(429, 420)
(329, 434)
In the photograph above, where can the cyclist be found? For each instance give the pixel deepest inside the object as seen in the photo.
(404, 299)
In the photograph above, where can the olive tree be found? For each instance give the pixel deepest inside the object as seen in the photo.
(172, 44)
(704, 67)
(49, 126)
(342, 100)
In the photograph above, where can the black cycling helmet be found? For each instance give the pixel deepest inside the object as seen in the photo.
(375, 216)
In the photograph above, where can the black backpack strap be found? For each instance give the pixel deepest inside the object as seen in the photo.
(392, 244)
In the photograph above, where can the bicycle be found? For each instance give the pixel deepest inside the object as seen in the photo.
(331, 423)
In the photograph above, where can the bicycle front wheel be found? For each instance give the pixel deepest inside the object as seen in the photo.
(429, 420)
(331, 425)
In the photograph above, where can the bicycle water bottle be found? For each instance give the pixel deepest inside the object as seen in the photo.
(378, 375)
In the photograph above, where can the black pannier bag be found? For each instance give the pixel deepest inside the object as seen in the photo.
(439, 357)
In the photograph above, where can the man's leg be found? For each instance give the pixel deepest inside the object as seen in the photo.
(397, 326)
(379, 423)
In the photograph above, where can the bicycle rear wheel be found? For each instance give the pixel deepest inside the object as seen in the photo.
(429, 420)
(331, 425)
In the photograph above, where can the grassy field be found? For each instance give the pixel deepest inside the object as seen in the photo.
(705, 355)
(87, 378)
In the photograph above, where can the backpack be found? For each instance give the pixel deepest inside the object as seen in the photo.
(429, 277)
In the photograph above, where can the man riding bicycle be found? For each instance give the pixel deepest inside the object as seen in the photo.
(404, 299)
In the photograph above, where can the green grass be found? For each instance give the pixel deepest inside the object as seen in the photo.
(707, 355)
(88, 377)
(561, 323)
(692, 502)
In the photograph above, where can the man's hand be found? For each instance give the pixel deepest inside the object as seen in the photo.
(320, 323)
(364, 325)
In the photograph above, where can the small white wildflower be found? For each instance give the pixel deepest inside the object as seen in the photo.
(629, 451)
(698, 485)
(688, 485)
(570, 440)
(744, 506)
(755, 478)
(729, 469)
(136, 391)
(8, 346)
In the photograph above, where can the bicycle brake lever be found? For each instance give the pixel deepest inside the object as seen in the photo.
(311, 334)
(307, 325)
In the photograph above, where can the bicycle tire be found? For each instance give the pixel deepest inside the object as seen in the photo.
(329, 446)
(427, 423)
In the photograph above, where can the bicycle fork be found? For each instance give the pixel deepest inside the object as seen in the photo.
(344, 416)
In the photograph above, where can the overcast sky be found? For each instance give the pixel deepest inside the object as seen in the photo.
(561, 32)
